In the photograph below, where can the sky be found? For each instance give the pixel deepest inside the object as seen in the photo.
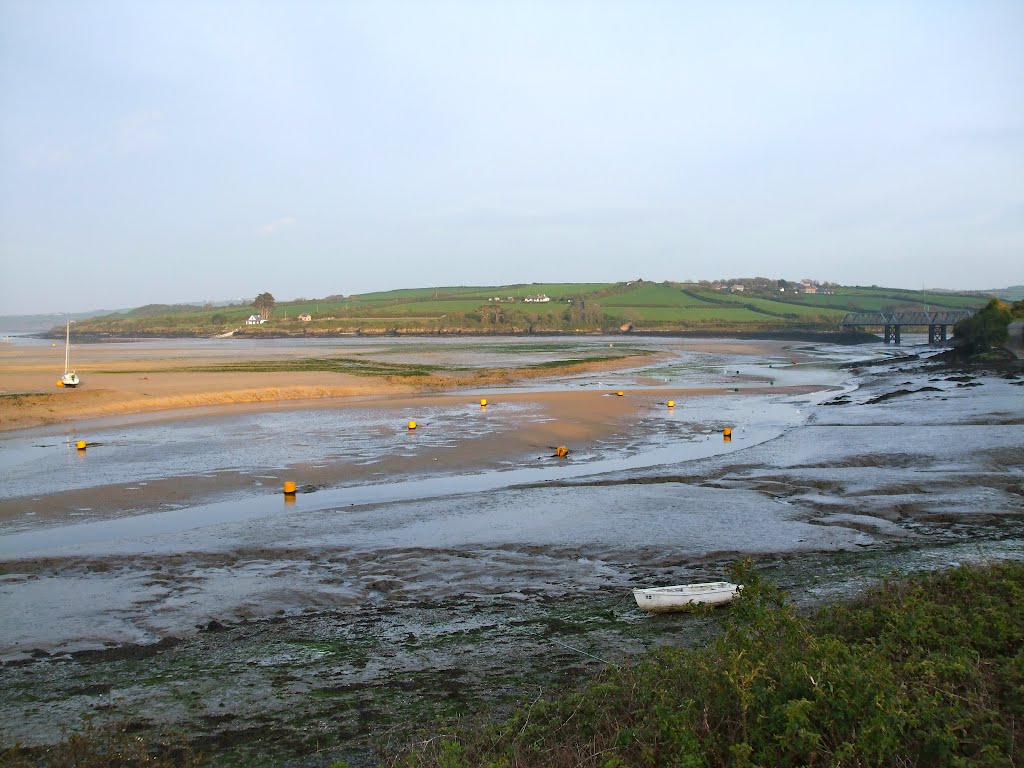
(193, 150)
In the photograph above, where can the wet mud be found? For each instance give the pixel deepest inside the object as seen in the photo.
(329, 629)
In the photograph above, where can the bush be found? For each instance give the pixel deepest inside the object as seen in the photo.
(988, 328)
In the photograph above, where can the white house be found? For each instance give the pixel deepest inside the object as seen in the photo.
(539, 298)
(255, 320)
(305, 318)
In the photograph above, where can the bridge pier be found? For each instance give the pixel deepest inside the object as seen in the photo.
(936, 333)
(892, 333)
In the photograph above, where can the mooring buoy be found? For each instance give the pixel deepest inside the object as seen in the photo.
(80, 445)
(289, 487)
(412, 425)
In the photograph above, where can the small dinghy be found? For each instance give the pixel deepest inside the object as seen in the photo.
(665, 599)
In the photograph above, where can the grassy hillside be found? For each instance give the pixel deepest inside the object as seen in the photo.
(571, 307)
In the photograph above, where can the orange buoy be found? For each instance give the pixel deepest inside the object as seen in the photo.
(289, 487)
(620, 394)
(561, 451)
(412, 425)
(80, 445)
(727, 432)
(60, 382)
(671, 403)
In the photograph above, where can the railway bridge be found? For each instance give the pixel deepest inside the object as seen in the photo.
(893, 322)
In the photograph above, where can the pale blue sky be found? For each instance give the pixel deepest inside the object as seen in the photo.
(180, 151)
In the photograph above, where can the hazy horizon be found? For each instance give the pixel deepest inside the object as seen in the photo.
(173, 152)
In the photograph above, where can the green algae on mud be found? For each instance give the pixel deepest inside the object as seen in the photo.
(366, 681)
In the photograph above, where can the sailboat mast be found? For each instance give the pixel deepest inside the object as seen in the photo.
(67, 348)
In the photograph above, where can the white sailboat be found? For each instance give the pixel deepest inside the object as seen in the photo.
(70, 378)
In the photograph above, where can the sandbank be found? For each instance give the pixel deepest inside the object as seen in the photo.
(125, 378)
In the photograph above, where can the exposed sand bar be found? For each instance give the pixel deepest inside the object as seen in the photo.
(116, 382)
(120, 379)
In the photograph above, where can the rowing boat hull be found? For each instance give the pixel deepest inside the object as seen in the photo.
(683, 596)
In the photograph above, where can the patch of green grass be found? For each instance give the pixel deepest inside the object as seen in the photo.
(708, 314)
(325, 364)
(574, 361)
(19, 398)
(927, 671)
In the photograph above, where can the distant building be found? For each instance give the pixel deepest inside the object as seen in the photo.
(539, 298)
(737, 289)
(305, 318)
(255, 320)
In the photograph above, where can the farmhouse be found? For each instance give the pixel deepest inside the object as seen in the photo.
(539, 298)
(305, 317)
(255, 320)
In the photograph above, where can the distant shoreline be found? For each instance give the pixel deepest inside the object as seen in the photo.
(828, 337)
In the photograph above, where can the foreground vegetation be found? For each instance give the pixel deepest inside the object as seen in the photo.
(754, 304)
(989, 327)
(929, 671)
(925, 671)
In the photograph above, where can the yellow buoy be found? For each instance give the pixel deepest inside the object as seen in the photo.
(60, 382)
(80, 445)
(483, 401)
(289, 487)
(727, 432)
(671, 403)
(620, 394)
(412, 425)
(561, 451)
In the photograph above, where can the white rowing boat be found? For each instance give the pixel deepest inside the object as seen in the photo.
(664, 599)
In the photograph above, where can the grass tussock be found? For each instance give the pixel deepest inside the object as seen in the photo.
(109, 745)
(924, 672)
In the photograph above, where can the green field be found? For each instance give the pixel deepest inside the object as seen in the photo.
(572, 307)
